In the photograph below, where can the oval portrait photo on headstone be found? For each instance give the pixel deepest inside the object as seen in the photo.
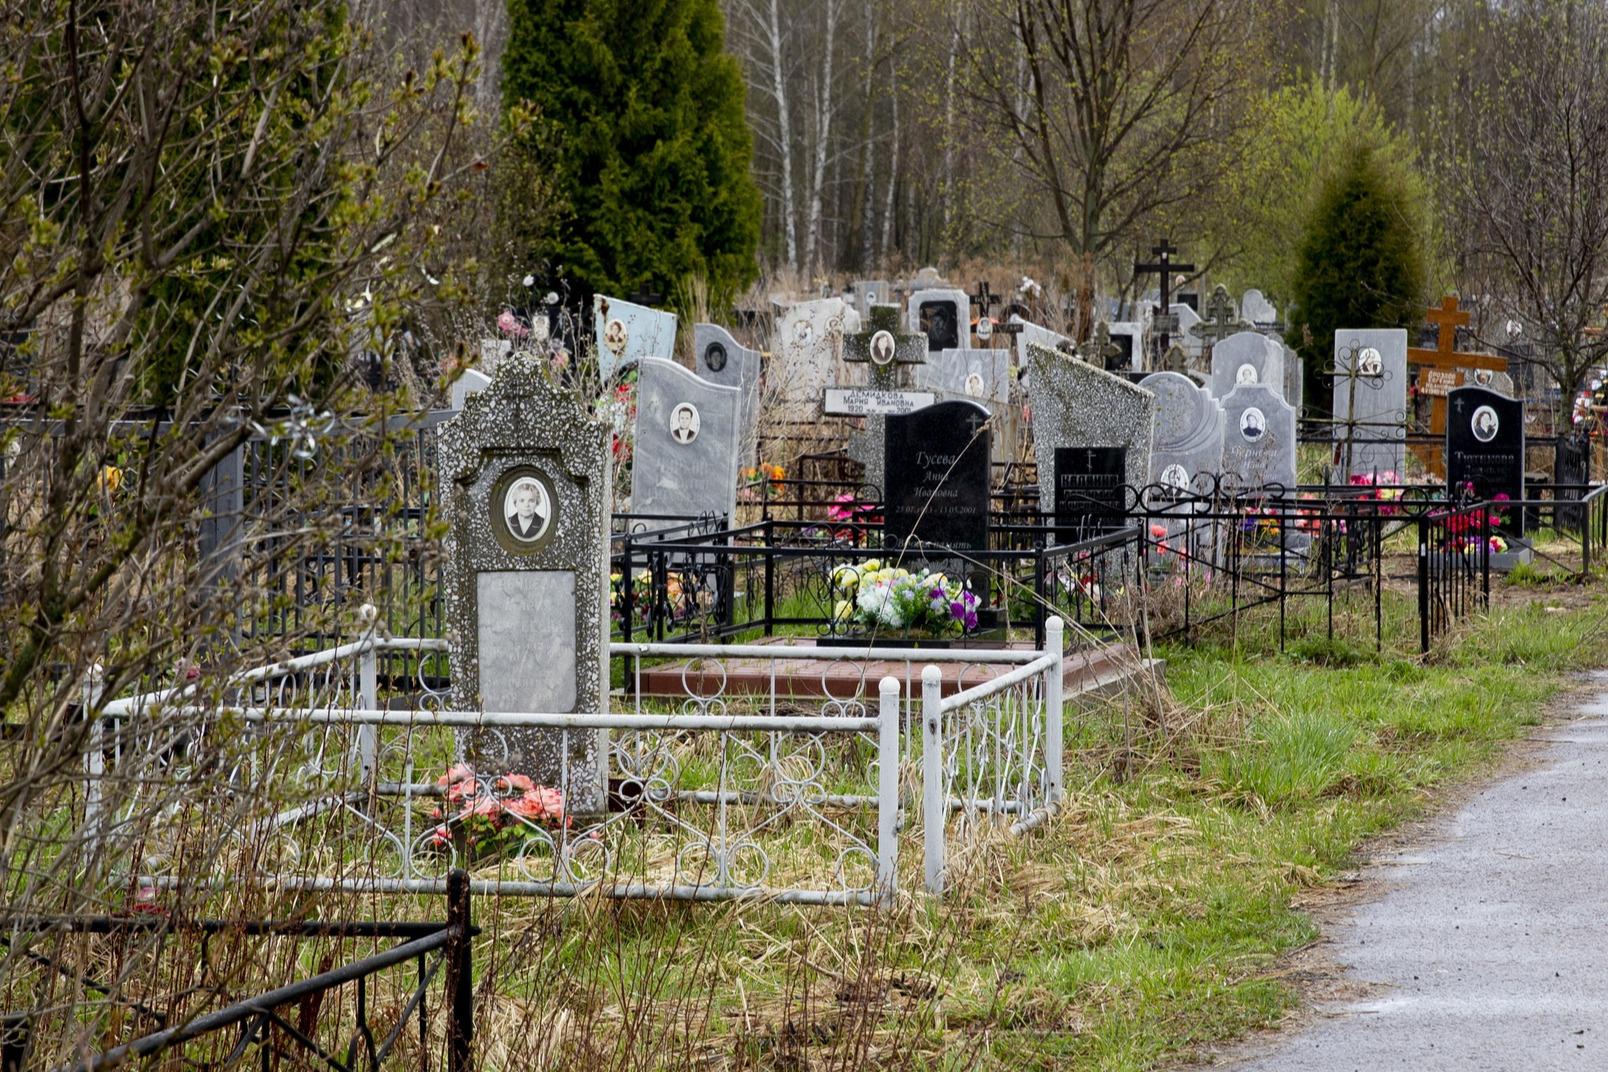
(684, 423)
(715, 357)
(1485, 424)
(1483, 377)
(615, 336)
(803, 332)
(1252, 425)
(985, 327)
(1246, 373)
(882, 347)
(974, 385)
(1176, 477)
(1370, 362)
(523, 509)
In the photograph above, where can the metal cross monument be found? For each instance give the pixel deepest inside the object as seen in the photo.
(1164, 267)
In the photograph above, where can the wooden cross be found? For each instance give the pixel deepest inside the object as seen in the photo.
(1164, 267)
(1220, 321)
(1440, 370)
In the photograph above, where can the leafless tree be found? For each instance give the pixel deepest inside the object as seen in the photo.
(1129, 110)
(1532, 193)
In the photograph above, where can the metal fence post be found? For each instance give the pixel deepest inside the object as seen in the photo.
(368, 687)
(1423, 585)
(1052, 710)
(934, 807)
(94, 750)
(888, 790)
(460, 997)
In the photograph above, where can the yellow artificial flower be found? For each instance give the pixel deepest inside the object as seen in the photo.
(109, 479)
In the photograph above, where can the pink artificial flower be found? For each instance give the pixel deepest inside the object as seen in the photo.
(515, 783)
(509, 324)
(457, 773)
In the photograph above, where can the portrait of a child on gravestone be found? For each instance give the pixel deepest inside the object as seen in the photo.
(526, 508)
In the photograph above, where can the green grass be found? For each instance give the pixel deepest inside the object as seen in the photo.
(1146, 920)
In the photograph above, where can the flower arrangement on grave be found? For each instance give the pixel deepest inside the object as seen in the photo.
(642, 596)
(494, 812)
(872, 597)
(755, 480)
(847, 509)
(1375, 483)
(620, 407)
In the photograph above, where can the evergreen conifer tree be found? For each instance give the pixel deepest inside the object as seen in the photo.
(641, 122)
(1361, 263)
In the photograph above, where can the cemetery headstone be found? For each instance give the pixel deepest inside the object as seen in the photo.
(1038, 335)
(1164, 268)
(469, 382)
(1370, 401)
(1130, 335)
(809, 338)
(1184, 322)
(1091, 496)
(626, 331)
(1258, 438)
(869, 292)
(1188, 444)
(1443, 369)
(1256, 309)
(721, 359)
(526, 477)
(1247, 357)
(1077, 405)
(1571, 466)
(685, 460)
(943, 315)
(938, 476)
(1485, 450)
(983, 375)
(888, 354)
(1294, 377)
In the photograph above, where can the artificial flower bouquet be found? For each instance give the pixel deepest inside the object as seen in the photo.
(494, 811)
(874, 597)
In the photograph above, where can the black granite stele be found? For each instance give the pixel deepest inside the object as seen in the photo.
(1485, 449)
(1090, 497)
(937, 476)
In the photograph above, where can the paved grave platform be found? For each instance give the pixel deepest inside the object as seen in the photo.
(1084, 672)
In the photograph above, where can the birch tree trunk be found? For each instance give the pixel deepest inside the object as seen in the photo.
(784, 133)
(823, 133)
(889, 203)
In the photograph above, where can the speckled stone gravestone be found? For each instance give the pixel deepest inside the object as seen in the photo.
(1370, 401)
(526, 475)
(1078, 405)
(627, 332)
(808, 342)
(1258, 438)
(684, 459)
(1188, 447)
(1247, 357)
(722, 359)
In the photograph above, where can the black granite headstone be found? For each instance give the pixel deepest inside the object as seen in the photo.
(1485, 449)
(937, 461)
(1089, 495)
(1571, 466)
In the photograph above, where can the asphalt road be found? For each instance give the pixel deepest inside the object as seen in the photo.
(1490, 949)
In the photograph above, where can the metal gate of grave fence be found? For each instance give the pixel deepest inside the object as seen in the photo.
(715, 792)
(298, 1020)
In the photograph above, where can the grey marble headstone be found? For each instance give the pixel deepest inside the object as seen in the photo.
(721, 359)
(1184, 336)
(469, 382)
(1255, 307)
(1078, 405)
(1370, 401)
(1036, 334)
(808, 342)
(1294, 378)
(869, 292)
(1258, 438)
(626, 331)
(943, 314)
(685, 458)
(1188, 444)
(527, 600)
(980, 375)
(1495, 381)
(1247, 357)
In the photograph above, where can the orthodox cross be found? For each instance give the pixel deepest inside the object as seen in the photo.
(985, 327)
(1220, 321)
(1100, 347)
(1441, 369)
(1164, 267)
(883, 347)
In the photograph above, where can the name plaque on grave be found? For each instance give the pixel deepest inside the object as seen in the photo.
(1090, 498)
(866, 401)
(1437, 383)
(937, 476)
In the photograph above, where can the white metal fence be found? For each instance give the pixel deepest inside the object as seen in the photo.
(714, 793)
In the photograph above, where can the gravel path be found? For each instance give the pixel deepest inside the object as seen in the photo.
(1490, 948)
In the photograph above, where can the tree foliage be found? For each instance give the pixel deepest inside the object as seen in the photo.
(644, 129)
(1361, 261)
